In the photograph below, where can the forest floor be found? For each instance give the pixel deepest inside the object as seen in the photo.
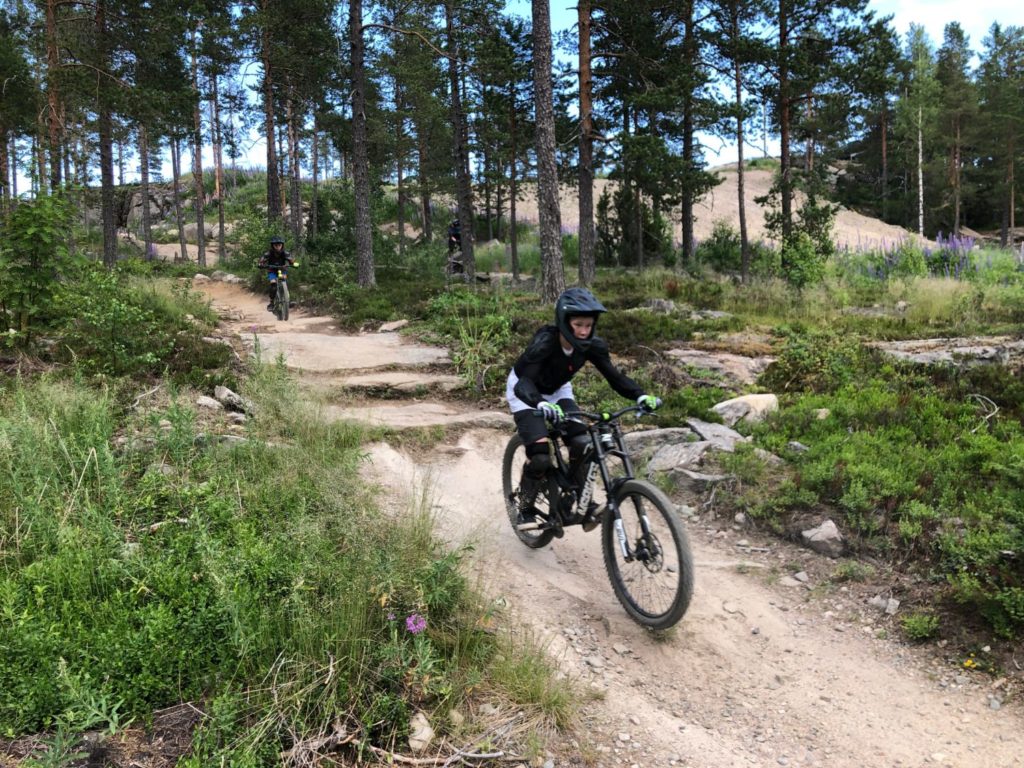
(764, 669)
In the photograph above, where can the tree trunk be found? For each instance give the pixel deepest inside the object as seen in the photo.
(294, 173)
(552, 281)
(885, 160)
(689, 64)
(920, 171)
(314, 204)
(463, 185)
(737, 77)
(5, 174)
(785, 172)
(1013, 187)
(106, 138)
(366, 275)
(269, 127)
(587, 261)
(218, 163)
(54, 106)
(147, 224)
(400, 166)
(513, 196)
(179, 216)
(956, 179)
(424, 187)
(197, 159)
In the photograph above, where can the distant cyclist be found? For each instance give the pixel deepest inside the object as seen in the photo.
(539, 387)
(273, 260)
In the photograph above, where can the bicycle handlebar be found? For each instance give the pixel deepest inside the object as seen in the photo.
(588, 417)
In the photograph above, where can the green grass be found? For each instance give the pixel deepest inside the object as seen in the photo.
(260, 577)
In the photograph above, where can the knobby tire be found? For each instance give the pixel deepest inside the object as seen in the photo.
(511, 475)
(282, 300)
(655, 589)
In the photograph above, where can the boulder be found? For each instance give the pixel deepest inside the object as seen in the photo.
(208, 402)
(691, 481)
(723, 437)
(232, 400)
(672, 457)
(420, 733)
(644, 443)
(394, 325)
(749, 408)
(825, 539)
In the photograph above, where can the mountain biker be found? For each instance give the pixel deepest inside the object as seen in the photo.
(273, 260)
(539, 387)
(454, 236)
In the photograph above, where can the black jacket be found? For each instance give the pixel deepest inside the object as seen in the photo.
(544, 367)
(274, 258)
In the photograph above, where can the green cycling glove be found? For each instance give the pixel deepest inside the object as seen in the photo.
(552, 412)
(648, 402)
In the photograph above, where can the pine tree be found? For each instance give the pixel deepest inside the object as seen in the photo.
(959, 107)
(1001, 134)
(916, 113)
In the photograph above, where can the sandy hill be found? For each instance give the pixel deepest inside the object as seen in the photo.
(721, 204)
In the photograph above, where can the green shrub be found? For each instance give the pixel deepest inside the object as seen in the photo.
(721, 251)
(34, 258)
(803, 262)
(919, 627)
(815, 361)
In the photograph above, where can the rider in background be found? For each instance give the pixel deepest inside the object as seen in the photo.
(273, 260)
(539, 385)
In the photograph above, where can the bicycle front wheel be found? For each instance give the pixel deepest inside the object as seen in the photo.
(654, 580)
(282, 300)
(511, 477)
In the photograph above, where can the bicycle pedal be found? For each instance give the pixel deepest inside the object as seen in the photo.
(534, 525)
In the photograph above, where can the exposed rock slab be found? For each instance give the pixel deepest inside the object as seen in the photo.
(411, 415)
(402, 381)
(991, 350)
(732, 367)
(320, 352)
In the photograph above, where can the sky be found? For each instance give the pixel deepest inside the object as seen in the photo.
(975, 17)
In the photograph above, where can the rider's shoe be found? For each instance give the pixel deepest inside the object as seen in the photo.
(270, 307)
(591, 519)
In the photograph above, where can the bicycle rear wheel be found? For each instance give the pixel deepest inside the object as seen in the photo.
(511, 477)
(656, 584)
(282, 300)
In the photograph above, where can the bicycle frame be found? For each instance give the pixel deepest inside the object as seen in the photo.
(599, 425)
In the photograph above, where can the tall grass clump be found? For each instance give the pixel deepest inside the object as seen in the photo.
(145, 565)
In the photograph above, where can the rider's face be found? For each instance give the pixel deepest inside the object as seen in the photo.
(278, 246)
(582, 326)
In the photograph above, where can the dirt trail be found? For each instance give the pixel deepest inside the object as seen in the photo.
(757, 674)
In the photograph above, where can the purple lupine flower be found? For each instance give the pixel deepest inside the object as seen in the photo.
(391, 616)
(415, 623)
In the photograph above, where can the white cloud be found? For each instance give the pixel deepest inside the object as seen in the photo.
(976, 18)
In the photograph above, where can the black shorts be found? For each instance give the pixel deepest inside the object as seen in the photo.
(532, 427)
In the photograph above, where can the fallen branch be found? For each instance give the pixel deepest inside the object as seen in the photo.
(144, 395)
(460, 756)
(992, 410)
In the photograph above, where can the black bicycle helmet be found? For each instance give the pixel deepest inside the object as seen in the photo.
(276, 239)
(572, 303)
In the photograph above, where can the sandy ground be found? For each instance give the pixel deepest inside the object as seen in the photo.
(758, 673)
(722, 204)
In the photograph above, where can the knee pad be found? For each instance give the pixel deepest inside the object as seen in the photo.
(538, 459)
